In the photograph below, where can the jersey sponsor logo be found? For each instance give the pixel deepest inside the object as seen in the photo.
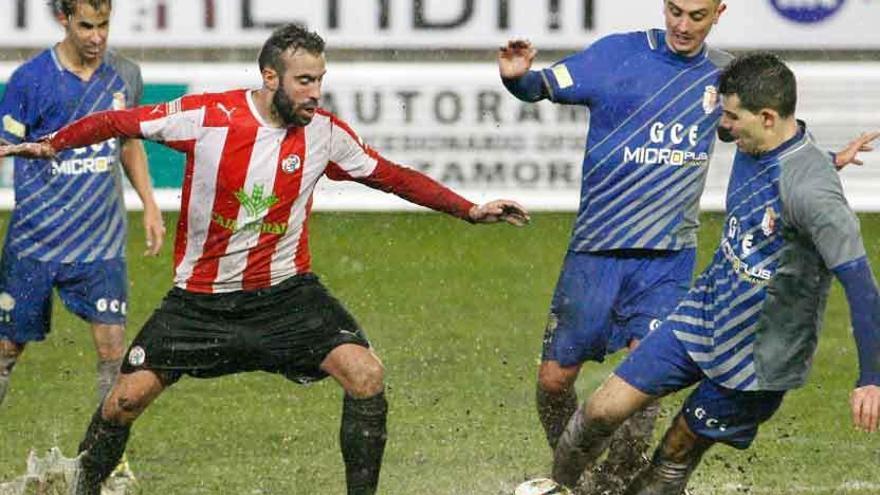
(104, 305)
(807, 11)
(290, 164)
(563, 77)
(13, 126)
(255, 206)
(118, 100)
(101, 160)
(710, 99)
(7, 304)
(745, 271)
(137, 356)
(662, 150)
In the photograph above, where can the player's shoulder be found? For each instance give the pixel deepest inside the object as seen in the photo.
(120, 61)
(807, 170)
(718, 57)
(633, 40)
(37, 67)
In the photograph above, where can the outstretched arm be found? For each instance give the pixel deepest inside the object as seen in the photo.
(94, 128)
(864, 305)
(514, 61)
(420, 189)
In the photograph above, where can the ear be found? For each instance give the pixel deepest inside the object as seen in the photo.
(719, 10)
(270, 78)
(62, 19)
(769, 118)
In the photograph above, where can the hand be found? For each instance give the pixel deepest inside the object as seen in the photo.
(154, 230)
(865, 404)
(515, 59)
(499, 210)
(41, 149)
(848, 154)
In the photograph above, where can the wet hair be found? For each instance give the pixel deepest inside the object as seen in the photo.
(290, 37)
(760, 80)
(68, 7)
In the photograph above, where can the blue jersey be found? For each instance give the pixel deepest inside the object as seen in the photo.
(69, 209)
(653, 115)
(751, 321)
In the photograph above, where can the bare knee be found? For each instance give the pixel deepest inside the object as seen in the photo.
(368, 381)
(681, 444)
(109, 341)
(9, 353)
(556, 379)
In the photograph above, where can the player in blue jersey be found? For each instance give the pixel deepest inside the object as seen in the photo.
(747, 330)
(652, 97)
(654, 111)
(67, 230)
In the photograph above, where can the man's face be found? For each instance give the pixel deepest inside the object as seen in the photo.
(299, 88)
(750, 130)
(688, 22)
(87, 30)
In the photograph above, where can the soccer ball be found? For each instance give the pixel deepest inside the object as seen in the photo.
(541, 486)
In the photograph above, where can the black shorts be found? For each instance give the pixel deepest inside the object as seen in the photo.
(287, 329)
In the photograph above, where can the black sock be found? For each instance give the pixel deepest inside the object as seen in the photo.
(362, 438)
(103, 447)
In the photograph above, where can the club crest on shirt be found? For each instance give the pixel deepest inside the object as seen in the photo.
(710, 99)
(290, 163)
(118, 100)
(768, 223)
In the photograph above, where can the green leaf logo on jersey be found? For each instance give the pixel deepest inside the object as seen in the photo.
(255, 203)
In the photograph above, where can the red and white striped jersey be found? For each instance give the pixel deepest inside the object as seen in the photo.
(247, 189)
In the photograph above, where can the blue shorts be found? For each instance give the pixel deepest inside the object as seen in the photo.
(95, 291)
(660, 365)
(605, 300)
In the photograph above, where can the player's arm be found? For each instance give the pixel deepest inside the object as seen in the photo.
(351, 159)
(514, 64)
(819, 208)
(134, 162)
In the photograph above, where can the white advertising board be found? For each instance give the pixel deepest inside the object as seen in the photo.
(476, 24)
(457, 123)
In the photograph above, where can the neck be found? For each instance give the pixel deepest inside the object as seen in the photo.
(72, 60)
(263, 101)
(787, 129)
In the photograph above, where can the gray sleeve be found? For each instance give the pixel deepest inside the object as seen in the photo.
(818, 208)
(130, 72)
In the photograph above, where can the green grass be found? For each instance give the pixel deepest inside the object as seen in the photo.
(457, 313)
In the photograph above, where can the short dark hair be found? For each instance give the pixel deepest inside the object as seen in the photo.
(288, 37)
(760, 80)
(68, 7)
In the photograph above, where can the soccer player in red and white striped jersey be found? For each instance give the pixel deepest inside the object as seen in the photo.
(244, 296)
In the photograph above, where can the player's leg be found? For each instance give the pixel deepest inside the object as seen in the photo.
(25, 309)
(9, 353)
(97, 293)
(363, 432)
(107, 435)
(675, 459)
(591, 427)
(653, 285)
(658, 366)
(321, 338)
(110, 347)
(577, 331)
(711, 414)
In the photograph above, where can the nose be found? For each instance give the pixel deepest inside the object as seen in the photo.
(683, 25)
(315, 91)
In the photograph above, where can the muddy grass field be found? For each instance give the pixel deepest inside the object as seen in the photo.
(457, 313)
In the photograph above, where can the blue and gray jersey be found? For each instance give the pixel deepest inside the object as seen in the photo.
(69, 209)
(752, 319)
(653, 115)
